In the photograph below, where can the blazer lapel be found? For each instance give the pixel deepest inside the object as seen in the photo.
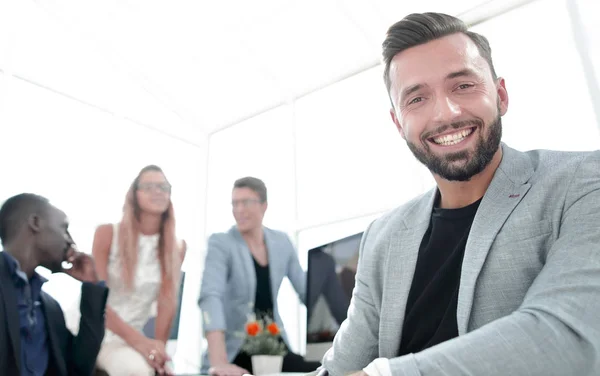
(10, 306)
(275, 260)
(403, 252)
(246, 257)
(507, 189)
(53, 342)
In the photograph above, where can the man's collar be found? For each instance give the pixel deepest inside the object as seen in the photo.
(15, 270)
(515, 165)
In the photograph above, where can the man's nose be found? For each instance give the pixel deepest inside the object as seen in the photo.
(69, 239)
(446, 110)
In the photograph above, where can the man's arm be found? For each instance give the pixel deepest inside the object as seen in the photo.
(295, 274)
(356, 343)
(217, 352)
(84, 348)
(214, 281)
(556, 331)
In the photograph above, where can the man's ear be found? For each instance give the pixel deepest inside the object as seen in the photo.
(397, 122)
(502, 96)
(34, 222)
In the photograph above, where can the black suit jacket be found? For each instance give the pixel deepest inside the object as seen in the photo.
(68, 355)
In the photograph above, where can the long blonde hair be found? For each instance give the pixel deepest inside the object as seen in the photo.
(129, 230)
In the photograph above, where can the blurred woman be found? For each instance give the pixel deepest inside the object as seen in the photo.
(140, 259)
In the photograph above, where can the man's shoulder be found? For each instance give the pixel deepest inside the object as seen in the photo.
(221, 239)
(277, 234)
(217, 236)
(571, 175)
(233, 235)
(273, 232)
(554, 162)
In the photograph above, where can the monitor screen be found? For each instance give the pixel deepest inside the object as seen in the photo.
(331, 271)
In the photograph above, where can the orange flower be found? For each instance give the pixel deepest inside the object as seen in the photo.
(252, 328)
(273, 329)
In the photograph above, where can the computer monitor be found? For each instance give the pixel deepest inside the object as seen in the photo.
(330, 281)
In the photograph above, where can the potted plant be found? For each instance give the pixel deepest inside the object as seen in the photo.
(264, 345)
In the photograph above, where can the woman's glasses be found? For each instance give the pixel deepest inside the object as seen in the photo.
(150, 187)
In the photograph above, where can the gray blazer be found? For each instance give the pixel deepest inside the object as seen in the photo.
(529, 297)
(228, 285)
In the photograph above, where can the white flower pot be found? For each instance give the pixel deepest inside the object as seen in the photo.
(266, 364)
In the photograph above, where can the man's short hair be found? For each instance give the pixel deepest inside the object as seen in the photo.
(254, 184)
(16, 210)
(420, 28)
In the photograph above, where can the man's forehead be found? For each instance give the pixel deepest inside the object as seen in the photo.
(244, 192)
(436, 58)
(57, 214)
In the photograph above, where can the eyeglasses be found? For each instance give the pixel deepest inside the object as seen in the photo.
(244, 203)
(149, 187)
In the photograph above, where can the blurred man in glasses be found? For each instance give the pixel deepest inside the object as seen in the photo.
(242, 275)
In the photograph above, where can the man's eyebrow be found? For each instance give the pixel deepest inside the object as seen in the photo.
(461, 73)
(410, 89)
(467, 72)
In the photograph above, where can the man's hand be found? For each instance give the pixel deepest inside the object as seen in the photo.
(227, 370)
(83, 268)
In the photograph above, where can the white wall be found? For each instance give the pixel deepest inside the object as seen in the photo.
(550, 104)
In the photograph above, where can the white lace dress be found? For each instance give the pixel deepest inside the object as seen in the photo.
(133, 306)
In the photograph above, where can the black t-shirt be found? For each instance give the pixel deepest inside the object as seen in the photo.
(263, 301)
(432, 301)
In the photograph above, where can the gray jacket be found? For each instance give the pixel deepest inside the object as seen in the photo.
(529, 297)
(229, 284)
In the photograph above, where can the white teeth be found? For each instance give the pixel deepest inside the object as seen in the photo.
(454, 138)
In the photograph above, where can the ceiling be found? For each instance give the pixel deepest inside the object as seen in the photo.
(202, 65)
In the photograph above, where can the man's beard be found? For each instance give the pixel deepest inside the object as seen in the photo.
(484, 152)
